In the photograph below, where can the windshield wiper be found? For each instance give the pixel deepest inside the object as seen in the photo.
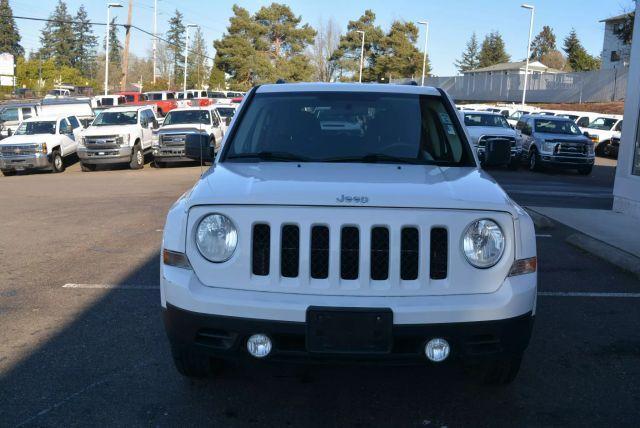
(270, 156)
(377, 158)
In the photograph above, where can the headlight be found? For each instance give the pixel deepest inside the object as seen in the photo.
(216, 238)
(483, 243)
(123, 140)
(82, 142)
(548, 147)
(155, 139)
(42, 147)
(592, 150)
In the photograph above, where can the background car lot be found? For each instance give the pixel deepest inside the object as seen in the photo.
(82, 340)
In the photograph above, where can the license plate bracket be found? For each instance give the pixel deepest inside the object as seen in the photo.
(349, 330)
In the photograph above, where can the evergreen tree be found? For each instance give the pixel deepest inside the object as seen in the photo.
(115, 46)
(543, 43)
(492, 50)
(198, 63)
(400, 56)
(469, 59)
(57, 38)
(263, 47)
(216, 79)
(176, 40)
(577, 57)
(85, 43)
(9, 35)
(348, 52)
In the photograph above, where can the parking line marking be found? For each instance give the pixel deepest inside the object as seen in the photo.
(587, 294)
(113, 286)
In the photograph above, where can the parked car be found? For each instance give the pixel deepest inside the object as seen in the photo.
(219, 97)
(492, 128)
(602, 129)
(555, 141)
(164, 100)
(108, 101)
(193, 98)
(309, 244)
(169, 140)
(118, 135)
(40, 143)
(80, 107)
(11, 115)
(515, 116)
(226, 112)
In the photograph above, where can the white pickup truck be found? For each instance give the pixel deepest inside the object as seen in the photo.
(602, 129)
(40, 143)
(169, 141)
(118, 135)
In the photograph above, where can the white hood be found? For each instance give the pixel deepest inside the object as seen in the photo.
(109, 130)
(323, 184)
(29, 139)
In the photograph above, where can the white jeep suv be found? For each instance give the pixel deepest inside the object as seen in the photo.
(382, 241)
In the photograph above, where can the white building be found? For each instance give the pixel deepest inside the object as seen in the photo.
(511, 68)
(626, 190)
(615, 52)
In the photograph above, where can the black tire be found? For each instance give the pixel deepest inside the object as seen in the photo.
(585, 170)
(157, 164)
(191, 363)
(57, 162)
(137, 157)
(87, 167)
(8, 172)
(600, 148)
(534, 161)
(501, 371)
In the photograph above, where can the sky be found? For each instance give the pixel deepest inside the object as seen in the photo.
(451, 22)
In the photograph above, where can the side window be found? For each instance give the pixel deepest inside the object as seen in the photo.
(170, 96)
(618, 127)
(26, 113)
(74, 122)
(65, 128)
(583, 122)
(214, 119)
(10, 114)
(144, 119)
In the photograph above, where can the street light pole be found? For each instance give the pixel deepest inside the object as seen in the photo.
(106, 58)
(361, 54)
(424, 59)
(186, 54)
(155, 38)
(526, 68)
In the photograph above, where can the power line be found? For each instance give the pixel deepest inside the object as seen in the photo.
(135, 27)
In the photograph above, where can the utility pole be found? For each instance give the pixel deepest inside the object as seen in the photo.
(361, 55)
(106, 51)
(125, 55)
(155, 38)
(424, 58)
(526, 68)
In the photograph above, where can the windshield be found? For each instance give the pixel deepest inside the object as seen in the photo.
(226, 111)
(107, 118)
(557, 127)
(187, 116)
(33, 128)
(602, 123)
(485, 120)
(217, 95)
(515, 115)
(10, 114)
(349, 127)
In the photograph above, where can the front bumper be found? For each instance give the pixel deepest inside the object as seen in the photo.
(516, 154)
(23, 162)
(225, 337)
(194, 313)
(170, 154)
(105, 156)
(566, 161)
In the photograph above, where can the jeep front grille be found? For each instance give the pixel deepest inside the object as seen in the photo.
(380, 252)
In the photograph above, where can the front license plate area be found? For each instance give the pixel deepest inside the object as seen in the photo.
(349, 330)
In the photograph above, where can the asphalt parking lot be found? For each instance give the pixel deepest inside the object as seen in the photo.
(82, 342)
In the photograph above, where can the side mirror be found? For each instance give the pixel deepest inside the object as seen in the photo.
(9, 132)
(586, 134)
(227, 120)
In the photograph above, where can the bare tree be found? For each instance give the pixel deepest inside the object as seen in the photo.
(321, 52)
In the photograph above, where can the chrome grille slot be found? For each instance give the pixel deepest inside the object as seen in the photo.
(101, 142)
(18, 150)
(173, 139)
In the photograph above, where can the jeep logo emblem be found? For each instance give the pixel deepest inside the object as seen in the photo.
(352, 199)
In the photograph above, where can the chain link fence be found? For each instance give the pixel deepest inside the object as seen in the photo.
(583, 87)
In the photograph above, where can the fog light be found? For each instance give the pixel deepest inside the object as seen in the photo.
(437, 350)
(259, 345)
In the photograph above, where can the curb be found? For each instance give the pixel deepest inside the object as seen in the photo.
(609, 253)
